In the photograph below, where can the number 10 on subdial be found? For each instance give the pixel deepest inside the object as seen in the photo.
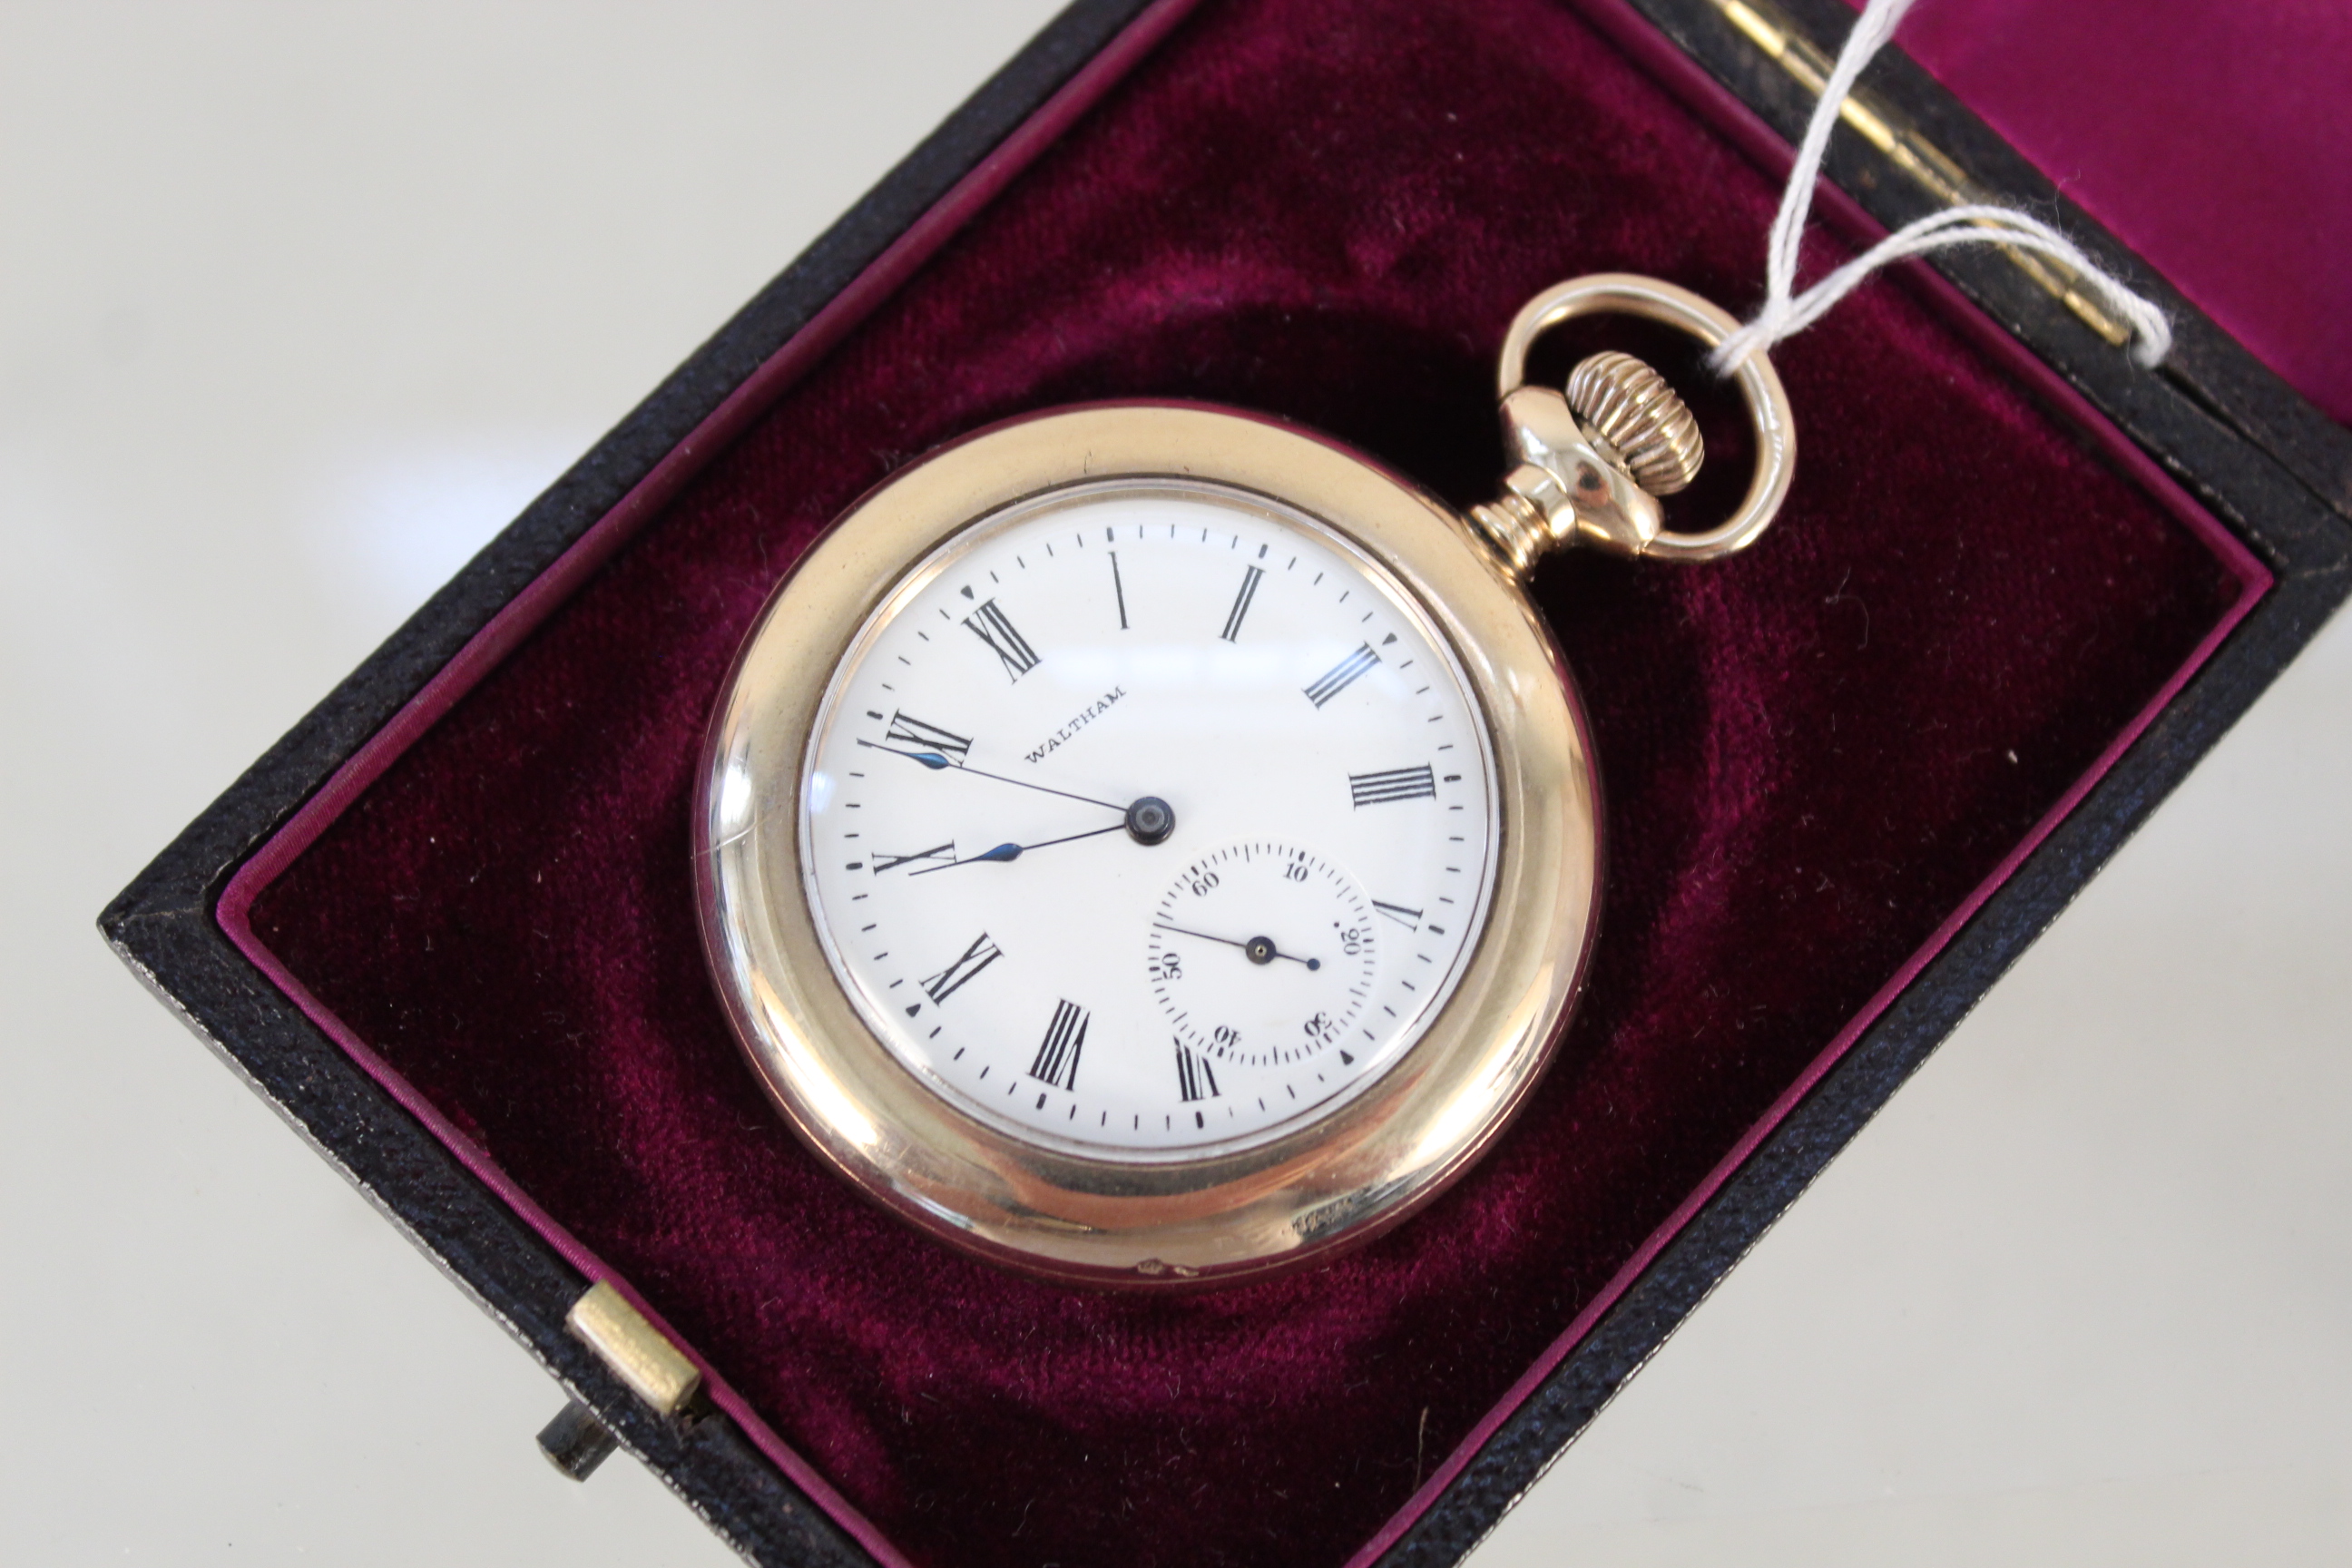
(1261, 955)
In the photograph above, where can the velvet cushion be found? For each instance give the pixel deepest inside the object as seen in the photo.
(1813, 756)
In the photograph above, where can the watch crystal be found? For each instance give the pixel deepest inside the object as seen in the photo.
(1149, 817)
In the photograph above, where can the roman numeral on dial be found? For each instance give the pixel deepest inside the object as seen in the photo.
(1409, 918)
(1057, 1058)
(1396, 784)
(909, 732)
(937, 855)
(948, 981)
(989, 625)
(1195, 1079)
(1342, 674)
(1241, 606)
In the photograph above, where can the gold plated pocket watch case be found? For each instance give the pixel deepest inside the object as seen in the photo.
(1334, 1173)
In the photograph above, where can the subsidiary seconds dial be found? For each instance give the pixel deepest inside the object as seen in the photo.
(1261, 955)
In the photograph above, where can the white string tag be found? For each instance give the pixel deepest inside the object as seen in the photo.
(1784, 315)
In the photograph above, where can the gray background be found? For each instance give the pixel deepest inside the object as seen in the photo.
(300, 302)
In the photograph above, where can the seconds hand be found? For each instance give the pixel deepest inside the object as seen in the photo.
(1259, 948)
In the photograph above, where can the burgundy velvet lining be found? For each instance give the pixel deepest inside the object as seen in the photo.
(1814, 755)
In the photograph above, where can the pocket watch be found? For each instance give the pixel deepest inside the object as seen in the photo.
(1151, 844)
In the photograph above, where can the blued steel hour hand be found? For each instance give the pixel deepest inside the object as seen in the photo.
(1004, 852)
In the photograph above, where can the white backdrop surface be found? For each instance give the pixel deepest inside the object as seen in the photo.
(298, 303)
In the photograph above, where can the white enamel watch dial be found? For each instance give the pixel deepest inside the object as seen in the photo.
(1147, 818)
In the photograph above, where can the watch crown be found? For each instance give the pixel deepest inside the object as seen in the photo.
(1630, 406)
